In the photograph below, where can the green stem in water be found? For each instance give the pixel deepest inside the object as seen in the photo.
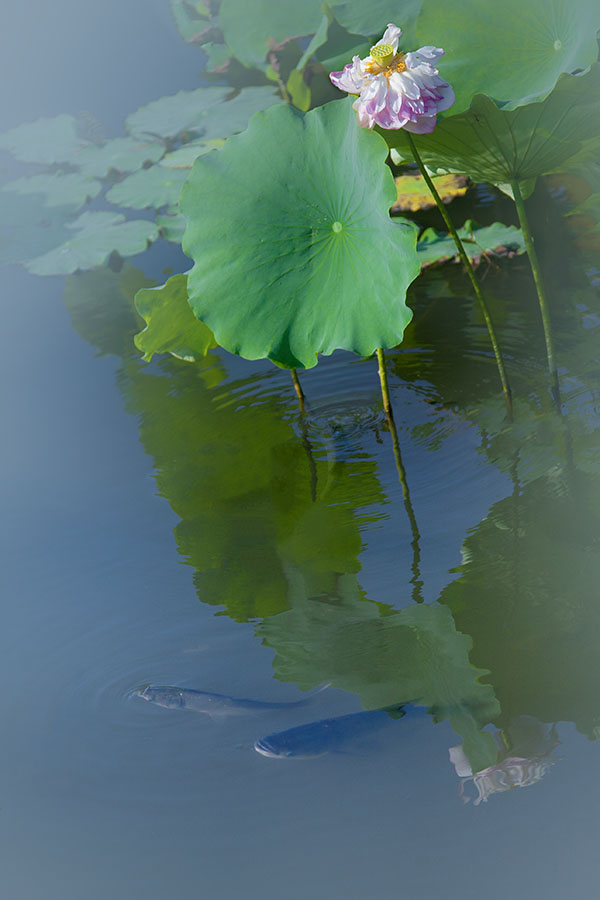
(299, 391)
(416, 580)
(471, 273)
(541, 290)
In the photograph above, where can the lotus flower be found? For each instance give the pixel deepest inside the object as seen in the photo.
(396, 90)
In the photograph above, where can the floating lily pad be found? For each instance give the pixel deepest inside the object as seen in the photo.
(72, 189)
(373, 17)
(499, 146)
(157, 186)
(29, 228)
(171, 326)
(95, 235)
(310, 260)
(413, 193)
(512, 51)
(185, 156)
(191, 19)
(252, 27)
(171, 227)
(125, 154)
(46, 141)
(228, 118)
(176, 113)
(434, 246)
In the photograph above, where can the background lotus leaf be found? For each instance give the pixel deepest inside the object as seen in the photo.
(171, 326)
(46, 141)
(477, 241)
(95, 236)
(497, 146)
(371, 18)
(157, 186)
(511, 51)
(413, 193)
(58, 189)
(29, 228)
(124, 154)
(175, 113)
(310, 260)
(251, 27)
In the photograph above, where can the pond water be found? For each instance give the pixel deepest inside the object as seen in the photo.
(182, 524)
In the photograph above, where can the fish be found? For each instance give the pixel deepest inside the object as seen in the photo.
(214, 705)
(324, 736)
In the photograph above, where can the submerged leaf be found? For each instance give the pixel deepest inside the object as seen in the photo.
(58, 189)
(311, 261)
(96, 235)
(171, 326)
(512, 51)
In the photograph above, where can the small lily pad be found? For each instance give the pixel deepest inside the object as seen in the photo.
(499, 239)
(58, 189)
(154, 187)
(95, 235)
(171, 326)
(46, 141)
(175, 113)
(413, 193)
(124, 154)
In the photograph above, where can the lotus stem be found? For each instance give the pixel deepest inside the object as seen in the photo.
(541, 291)
(471, 273)
(299, 391)
(416, 580)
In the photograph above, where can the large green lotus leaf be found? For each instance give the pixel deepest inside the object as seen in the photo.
(175, 113)
(372, 18)
(96, 235)
(58, 189)
(251, 27)
(416, 654)
(499, 146)
(171, 326)
(157, 186)
(46, 141)
(29, 228)
(477, 241)
(310, 260)
(126, 154)
(512, 51)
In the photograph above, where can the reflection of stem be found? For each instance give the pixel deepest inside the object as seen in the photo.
(299, 391)
(471, 273)
(541, 290)
(416, 580)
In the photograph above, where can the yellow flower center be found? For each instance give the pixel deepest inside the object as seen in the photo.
(384, 61)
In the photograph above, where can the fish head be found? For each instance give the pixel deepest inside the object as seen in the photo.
(274, 747)
(169, 697)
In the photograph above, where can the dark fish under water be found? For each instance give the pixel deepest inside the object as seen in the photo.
(216, 705)
(324, 736)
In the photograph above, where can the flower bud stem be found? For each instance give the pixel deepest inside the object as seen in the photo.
(541, 291)
(471, 273)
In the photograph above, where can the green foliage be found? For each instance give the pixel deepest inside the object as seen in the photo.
(97, 235)
(371, 18)
(292, 275)
(512, 51)
(157, 186)
(252, 27)
(57, 189)
(434, 246)
(499, 146)
(125, 154)
(46, 141)
(386, 658)
(171, 326)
